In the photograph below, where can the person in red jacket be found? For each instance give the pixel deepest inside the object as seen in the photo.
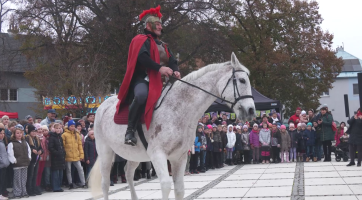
(148, 59)
(296, 117)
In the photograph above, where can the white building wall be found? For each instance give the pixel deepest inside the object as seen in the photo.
(335, 100)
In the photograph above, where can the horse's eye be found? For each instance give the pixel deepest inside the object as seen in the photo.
(242, 80)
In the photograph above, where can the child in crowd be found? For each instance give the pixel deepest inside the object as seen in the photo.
(303, 117)
(57, 155)
(203, 148)
(238, 146)
(36, 151)
(210, 148)
(245, 144)
(44, 163)
(254, 143)
(339, 133)
(231, 139)
(293, 141)
(301, 143)
(310, 136)
(224, 140)
(74, 153)
(19, 155)
(4, 162)
(275, 143)
(284, 143)
(318, 142)
(196, 155)
(217, 145)
(264, 138)
(90, 151)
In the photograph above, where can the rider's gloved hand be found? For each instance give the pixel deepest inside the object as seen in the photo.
(166, 71)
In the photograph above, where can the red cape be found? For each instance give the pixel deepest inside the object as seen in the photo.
(155, 83)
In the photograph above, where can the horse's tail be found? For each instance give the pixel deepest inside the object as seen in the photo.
(94, 181)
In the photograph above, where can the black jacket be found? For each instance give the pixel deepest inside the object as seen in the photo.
(57, 152)
(293, 138)
(238, 142)
(355, 131)
(90, 151)
(34, 144)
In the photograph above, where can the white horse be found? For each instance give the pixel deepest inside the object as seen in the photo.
(172, 130)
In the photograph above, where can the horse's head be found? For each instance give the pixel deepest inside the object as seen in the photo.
(234, 87)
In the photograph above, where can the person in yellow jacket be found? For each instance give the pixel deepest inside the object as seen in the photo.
(73, 153)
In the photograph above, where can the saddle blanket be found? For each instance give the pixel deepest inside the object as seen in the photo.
(122, 116)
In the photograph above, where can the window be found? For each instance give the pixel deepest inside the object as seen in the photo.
(355, 89)
(8, 94)
(325, 93)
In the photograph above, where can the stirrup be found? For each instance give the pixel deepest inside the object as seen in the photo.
(131, 141)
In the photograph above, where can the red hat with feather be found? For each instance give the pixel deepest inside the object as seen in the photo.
(152, 15)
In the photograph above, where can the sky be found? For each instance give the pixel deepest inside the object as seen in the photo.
(343, 18)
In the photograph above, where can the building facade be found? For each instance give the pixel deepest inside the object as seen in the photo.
(345, 83)
(16, 94)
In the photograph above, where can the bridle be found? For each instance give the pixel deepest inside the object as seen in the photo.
(237, 96)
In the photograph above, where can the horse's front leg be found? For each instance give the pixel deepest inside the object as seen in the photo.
(178, 171)
(130, 169)
(159, 161)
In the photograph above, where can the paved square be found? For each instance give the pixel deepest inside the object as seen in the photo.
(310, 181)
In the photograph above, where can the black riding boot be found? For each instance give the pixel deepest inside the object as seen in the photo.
(133, 118)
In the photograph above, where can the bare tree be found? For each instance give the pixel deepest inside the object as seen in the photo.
(5, 10)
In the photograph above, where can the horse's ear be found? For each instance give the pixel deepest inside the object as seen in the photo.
(234, 60)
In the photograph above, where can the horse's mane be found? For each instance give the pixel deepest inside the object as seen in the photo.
(212, 67)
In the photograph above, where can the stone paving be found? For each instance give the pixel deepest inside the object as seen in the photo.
(310, 181)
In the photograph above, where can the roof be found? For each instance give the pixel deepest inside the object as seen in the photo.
(11, 58)
(351, 62)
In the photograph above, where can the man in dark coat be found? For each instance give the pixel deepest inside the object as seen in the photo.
(57, 157)
(148, 59)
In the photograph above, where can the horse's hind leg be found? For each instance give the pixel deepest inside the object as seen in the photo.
(131, 167)
(159, 161)
(106, 158)
(178, 171)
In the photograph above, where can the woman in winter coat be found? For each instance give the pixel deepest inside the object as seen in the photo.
(230, 144)
(217, 147)
(90, 151)
(339, 133)
(325, 121)
(246, 144)
(355, 138)
(4, 162)
(57, 157)
(254, 143)
(284, 143)
(238, 146)
(264, 139)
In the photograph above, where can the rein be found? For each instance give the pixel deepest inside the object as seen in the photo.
(197, 87)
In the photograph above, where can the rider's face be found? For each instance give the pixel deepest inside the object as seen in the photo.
(157, 30)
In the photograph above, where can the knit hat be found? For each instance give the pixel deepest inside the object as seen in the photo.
(37, 126)
(45, 127)
(245, 126)
(304, 125)
(31, 128)
(283, 127)
(209, 126)
(206, 127)
(299, 124)
(70, 123)
(309, 124)
(303, 112)
(299, 109)
(77, 124)
(214, 126)
(255, 125)
(19, 126)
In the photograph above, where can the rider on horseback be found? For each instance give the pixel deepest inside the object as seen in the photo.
(148, 59)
